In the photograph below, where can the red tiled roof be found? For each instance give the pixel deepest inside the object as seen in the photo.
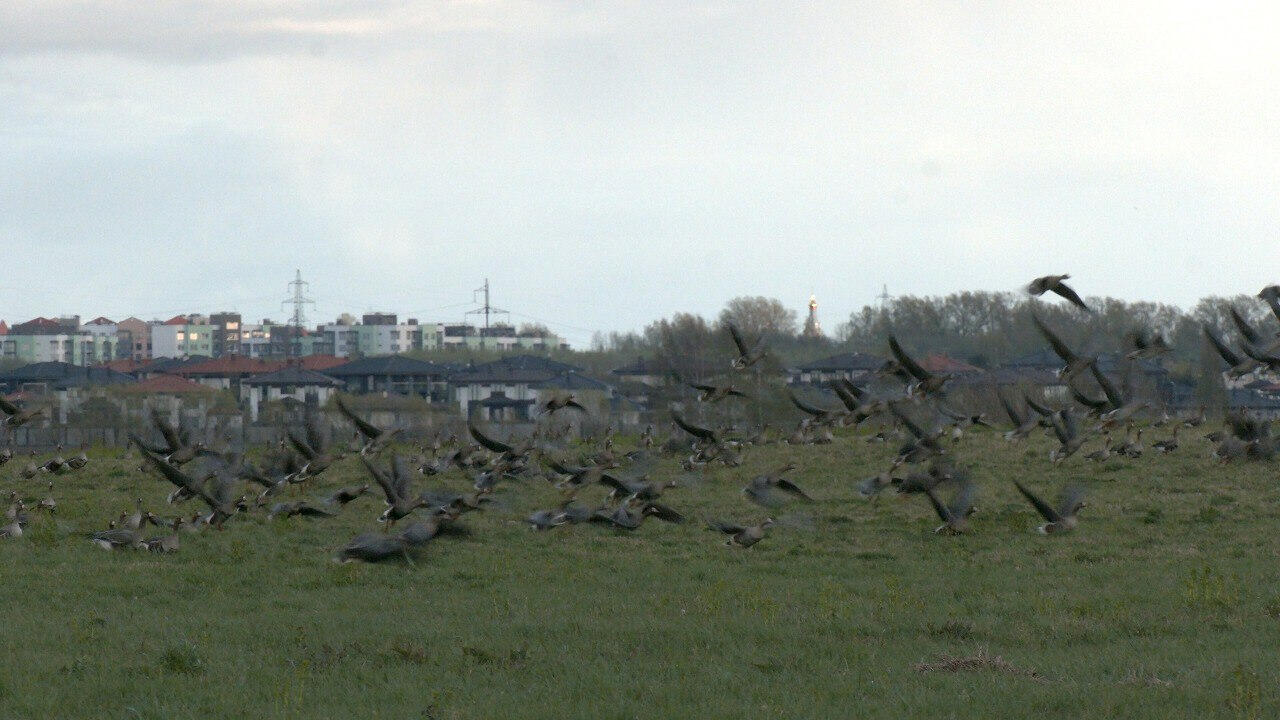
(176, 320)
(4, 328)
(231, 365)
(101, 321)
(170, 384)
(944, 364)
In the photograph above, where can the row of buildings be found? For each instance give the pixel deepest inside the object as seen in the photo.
(506, 389)
(221, 334)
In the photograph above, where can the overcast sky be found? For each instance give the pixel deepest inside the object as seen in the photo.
(605, 164)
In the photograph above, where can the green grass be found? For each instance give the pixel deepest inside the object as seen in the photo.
(1166, 604)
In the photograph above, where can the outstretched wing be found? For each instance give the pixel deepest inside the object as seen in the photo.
(743, 350)
(805, 407)
(485, 441)
(366, 429)
(905, 360)
(1224, 351)
(1113, 395)
(694, 430)
(1059, 348)
(1042, 507)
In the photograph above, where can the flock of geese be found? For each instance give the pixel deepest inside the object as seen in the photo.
(225, 484)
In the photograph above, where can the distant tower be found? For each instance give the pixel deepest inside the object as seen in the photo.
(299, 301)
(812, 328)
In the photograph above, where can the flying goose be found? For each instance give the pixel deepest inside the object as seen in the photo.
(747, 355)
(16, 417)
(1061, 519)
(1075, 364)
(1055, 285)
(954, 516)
(742, 535)
(709, 393)
(396, 489)
(375, 437)
(923, 383)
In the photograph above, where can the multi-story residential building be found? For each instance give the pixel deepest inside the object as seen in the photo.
(226, 333)
(496, 337)
(181, 336)
(60, 340)
(139, 337)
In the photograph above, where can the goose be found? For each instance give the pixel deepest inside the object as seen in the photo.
(299, 507)
(955, 516)
(546, 519)
(167, 543)
(347, 494)
(15, 416)
(1103, 453)
(1164, 447)
(1146, 344)
(396, 489)
(375, 547)
(748, 355)
(761, 487)
(1055, 285)
(1059, 520)
(924, 382)
(743, 536)
(375, 438)
(314, 450)
(709, 393)
(1075, 364)
(560, 401)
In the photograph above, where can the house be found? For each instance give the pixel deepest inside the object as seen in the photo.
(394, 374)
(853, 366)
(642, 371)
(508, 388)
(57, 376)
(227, 372)
(291, 383)
(1254, 403)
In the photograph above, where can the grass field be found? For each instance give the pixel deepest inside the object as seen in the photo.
(1165, 604)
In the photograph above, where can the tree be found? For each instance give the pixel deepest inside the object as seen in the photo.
(759, 315)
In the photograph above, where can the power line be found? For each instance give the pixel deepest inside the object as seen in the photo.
(485, 309)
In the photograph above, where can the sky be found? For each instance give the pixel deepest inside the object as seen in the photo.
(606, 164)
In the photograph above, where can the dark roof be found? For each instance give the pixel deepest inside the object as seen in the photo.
(1114, 363)
(394, 365)
(163, 364)
(844, 362)
(639, 366)
(1039, 360)
(228, 366)
(532, 363)
(162, 384)
(489, 374)
(60, 375)
(503, 401)
(294, 376)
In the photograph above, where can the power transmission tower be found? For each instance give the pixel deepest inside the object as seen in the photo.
(884, 297)
(299, 301)
(485, 309)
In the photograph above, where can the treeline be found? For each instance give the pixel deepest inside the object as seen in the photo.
(986, 329)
